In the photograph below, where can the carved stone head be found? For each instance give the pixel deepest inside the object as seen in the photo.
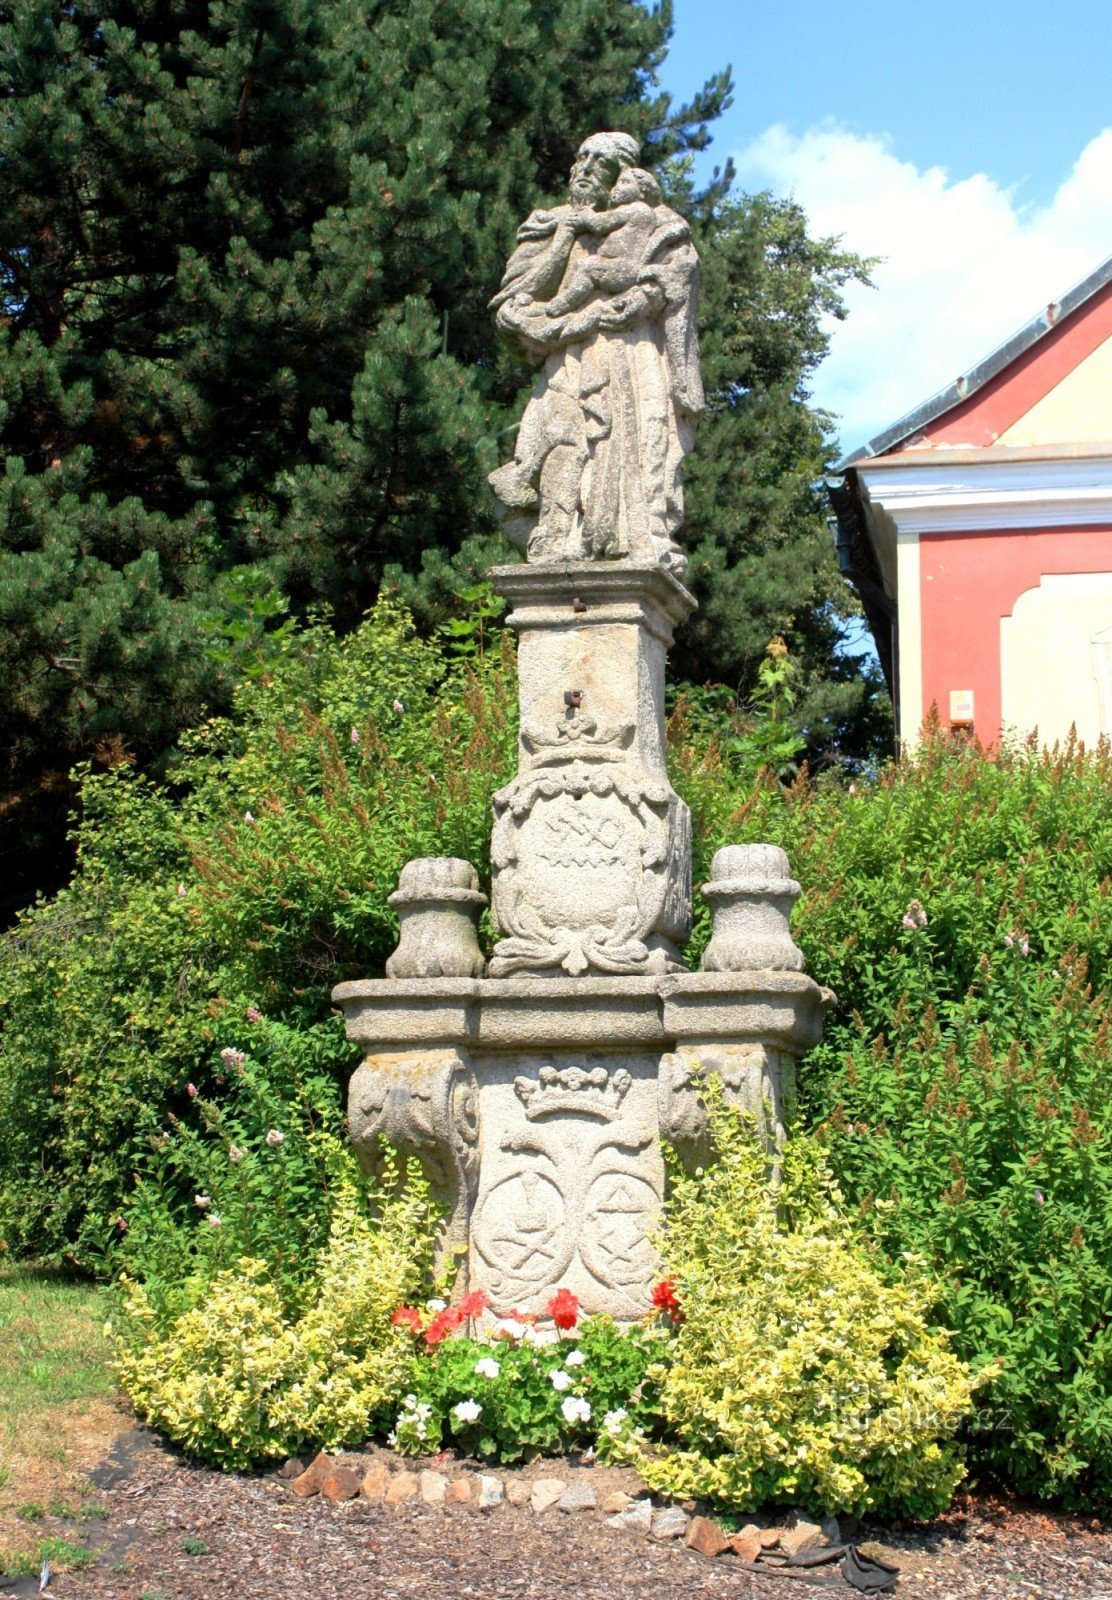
(595, 170)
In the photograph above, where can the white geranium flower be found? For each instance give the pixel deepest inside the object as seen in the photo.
(560, 1380)
(613, 1420)
(436, 1305)
(510, 1328)
(541, 1336)
(467, 1411)
(574, 1358)
(576, 1409)
(487, 1367)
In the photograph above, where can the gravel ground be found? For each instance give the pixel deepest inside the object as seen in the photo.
(180, 1532)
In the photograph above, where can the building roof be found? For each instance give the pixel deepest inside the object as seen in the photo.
(963, 388)
(856, 556)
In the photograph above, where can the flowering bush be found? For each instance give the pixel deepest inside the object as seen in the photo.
(527, 1388)
(213, 913)
(797, 1374)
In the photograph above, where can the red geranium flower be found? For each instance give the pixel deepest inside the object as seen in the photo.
(473, 1304)
(407, 1317)
(563, 1308)
(444, 1323)
(664, 1299)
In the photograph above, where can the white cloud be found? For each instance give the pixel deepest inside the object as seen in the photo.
(966, 263)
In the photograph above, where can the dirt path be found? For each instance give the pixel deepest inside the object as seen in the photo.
(179, 1532)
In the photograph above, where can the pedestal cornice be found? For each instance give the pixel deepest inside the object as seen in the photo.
(554, 595)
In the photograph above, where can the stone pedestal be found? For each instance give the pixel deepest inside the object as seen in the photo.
(538, 1109)
(537, 1096)
(591, 851)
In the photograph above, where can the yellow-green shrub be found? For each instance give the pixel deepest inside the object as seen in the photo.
(799, 1374)
(236, 1380)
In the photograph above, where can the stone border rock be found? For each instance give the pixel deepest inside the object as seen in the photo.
(346, 1477)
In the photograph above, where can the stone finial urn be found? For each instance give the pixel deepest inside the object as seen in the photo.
(751, 893)
(438, 902)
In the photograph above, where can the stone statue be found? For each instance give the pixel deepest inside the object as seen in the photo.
(535, 1089)
(604, 290)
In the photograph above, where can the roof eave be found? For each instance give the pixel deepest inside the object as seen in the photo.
(963, 388)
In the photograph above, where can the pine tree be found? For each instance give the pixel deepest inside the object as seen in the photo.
(762, 558)
(245, 250)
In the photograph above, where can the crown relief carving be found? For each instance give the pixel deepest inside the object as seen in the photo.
(590, 1092)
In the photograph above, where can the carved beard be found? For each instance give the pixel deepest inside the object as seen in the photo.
(592, 192)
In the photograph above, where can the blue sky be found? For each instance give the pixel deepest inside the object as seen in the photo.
(969, 146)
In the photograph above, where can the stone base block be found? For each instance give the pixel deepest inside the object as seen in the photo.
(538, 1109)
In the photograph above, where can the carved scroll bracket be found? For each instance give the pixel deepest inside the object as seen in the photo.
(423, 1103)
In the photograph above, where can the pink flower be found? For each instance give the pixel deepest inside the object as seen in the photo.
(191, 1090)
(235, 1153)
(232, 1058)
(254, 1014)
(274, 1138)
(355, 735)
(203, 1200)
(399, 707)
(914, 917)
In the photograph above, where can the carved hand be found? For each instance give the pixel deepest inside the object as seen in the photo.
(635, 305)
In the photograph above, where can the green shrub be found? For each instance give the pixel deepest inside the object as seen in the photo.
(237, 1379)
(255, 877)
(959, 903)
(801, 1373)
(961, 906)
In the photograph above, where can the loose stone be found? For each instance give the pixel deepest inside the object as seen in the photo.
(802, 1533)
(491, 1492)
(459, 1490)
(314, 1475)
(770, 1538)
(577, 1497)
(669, 1523)
(434, 1487)
(402, 1486)
(373, 1486)
(637, 1517)
(746, 1543)
(617, 1501)
(342, 1483)
(832, 1530)
(706, 1537)
(293, 1468)
(546, 1492)
(518, 1491)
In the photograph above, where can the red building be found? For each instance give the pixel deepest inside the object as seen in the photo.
(978, 532)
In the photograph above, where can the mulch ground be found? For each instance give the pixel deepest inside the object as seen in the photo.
(180, 1532)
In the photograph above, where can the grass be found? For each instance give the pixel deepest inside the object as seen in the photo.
(52, 1345)
(62, 1554)
(57, 1411)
